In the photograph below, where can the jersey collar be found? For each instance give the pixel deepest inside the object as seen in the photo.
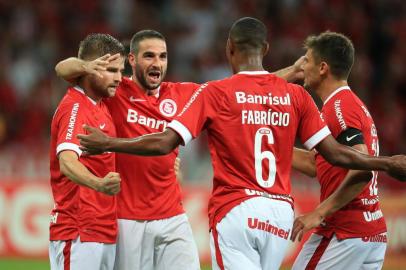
(259, 72)
(79, 89)
(346, 87)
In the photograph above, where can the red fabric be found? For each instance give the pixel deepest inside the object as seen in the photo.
(66, 255)
(314, 260)
(80, 210)
(150, 189)
(219, 258)
(242, 143)
(345, 110)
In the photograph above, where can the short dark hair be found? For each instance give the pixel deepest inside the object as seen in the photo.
(248, 34)
(335, 49)
(96, 45)
(140, 36)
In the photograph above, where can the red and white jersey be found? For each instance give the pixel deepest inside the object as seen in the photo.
(362, 216)
(149, 189)
(252, 120)
(78, 210)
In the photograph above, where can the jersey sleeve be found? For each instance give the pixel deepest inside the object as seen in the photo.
(344, 113)
(196, 114)
(312, 129)
(70, 119)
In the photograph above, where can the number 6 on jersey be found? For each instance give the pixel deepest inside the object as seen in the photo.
(260, 156)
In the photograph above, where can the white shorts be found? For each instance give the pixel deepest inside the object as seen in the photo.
(254, 235)
(156, 244)
(77, 255)
(354, 253)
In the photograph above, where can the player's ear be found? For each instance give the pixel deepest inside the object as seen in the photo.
(265, 49)
(324, 68)
(230, 47)
(131, 59)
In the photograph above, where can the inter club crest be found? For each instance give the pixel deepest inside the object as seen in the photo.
(168, 107)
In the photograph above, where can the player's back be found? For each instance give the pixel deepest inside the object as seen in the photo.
(252, 119)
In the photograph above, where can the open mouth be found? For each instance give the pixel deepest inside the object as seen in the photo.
(154, 76)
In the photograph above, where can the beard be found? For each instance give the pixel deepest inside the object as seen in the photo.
(139, 74)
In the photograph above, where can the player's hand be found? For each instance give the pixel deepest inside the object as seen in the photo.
(95, 142)
(177, 168)
(110, 184)
(99, 64)
(397, 167)
(303, 224)
(298, 68)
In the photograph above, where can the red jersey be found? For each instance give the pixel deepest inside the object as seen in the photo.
(81, 211)
(362, 216)
(252, 120)
(149, 189)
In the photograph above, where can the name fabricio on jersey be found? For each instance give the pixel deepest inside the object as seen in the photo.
(261, 117)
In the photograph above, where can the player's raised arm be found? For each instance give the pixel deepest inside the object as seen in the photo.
(73, 68)
(155, 144)
(78, 173)
(347, 157)
(292, 73)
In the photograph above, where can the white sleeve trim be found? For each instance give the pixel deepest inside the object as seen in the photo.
(316, 138)
(68, 146)
(181, 130)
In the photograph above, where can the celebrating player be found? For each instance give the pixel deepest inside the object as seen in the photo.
(83, 229)
(355, 236)
(150, 198)
(154, 232)
(251, 119)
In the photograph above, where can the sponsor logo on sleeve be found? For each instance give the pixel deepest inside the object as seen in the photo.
(339, 114)
(72, 121)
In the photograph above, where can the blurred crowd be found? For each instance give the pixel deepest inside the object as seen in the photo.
(38, 34)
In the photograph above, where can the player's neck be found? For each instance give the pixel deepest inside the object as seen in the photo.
(148, 92)
(327, 87)
(84, 84)
(248, 63)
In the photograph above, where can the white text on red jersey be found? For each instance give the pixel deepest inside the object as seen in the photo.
(242, 97)
(135, 117)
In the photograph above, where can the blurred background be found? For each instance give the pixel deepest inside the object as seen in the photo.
(38, 34)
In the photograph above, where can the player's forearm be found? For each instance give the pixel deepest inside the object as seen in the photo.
(78, 173)
(304, 162)
(148, 145)
(351, 187)
(349, 158)
(70, 68)
(352, 159)
(288, 73)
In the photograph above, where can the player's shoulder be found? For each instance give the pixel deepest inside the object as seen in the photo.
(126, 84)
(345, 98)
(179, 86)
(125, 81)
(73, 100)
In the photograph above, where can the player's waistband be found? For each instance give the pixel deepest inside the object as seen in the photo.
(273, 196)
